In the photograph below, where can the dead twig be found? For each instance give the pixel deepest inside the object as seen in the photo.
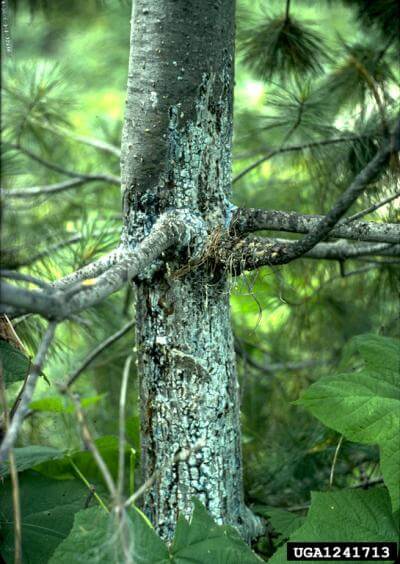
(122, 408)
(28, 391)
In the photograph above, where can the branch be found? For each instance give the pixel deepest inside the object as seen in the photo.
(51, 249)
(287, 10)
(23, 300)
(51, 189)
(369, 79)
(97, 351)
(282, 366)
(26, 397)
(122, 423)
(174, 228)
(95, 143)
(248, 220)
(357, 187)
(289, 149)
(343, 251)
(372, 208)
(91, 445)
(273, 367)
(249, 254)
(24, 278)
(93, 269)
(15, 299)
(12, 261)
(66, 172)
(343, 274)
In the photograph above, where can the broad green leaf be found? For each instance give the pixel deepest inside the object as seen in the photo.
(345, 516)
(203, 541)
(56, 404)
(62, 468)
(362, 405)
(283, 522)
(53, 405)
(365, 405)
(15, 363)
(47, 514)
(99, 537)
(108, 447)
(390, 468)
(378, 353)
(30, 456)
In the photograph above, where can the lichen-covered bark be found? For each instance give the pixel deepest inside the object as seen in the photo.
(176, 153)
(246, 220)
(189, 395)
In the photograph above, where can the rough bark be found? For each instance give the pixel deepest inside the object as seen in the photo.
(79, 290)
(246, 220)
(253, 253)
(176, 153)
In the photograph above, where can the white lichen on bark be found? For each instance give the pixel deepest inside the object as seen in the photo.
(176, 154)
(189, 389)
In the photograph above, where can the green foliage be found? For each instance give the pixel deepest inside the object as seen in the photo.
(363, 149)
(299, 113)
(54, 8)
(98, 537)
(15, 364)
(33, 100)
(365, 405)
(49, 506)
(345, 516)
(62, 468)
(360, 74)
(47, 513)
(57, 404)
(201, 539)
(58, 464)
(283, 522)
(281, 47)
(30, 456)
(381, 14)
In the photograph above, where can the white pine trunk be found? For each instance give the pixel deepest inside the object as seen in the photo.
(176, 153)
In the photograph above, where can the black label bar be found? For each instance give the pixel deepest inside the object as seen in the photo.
(351, 551)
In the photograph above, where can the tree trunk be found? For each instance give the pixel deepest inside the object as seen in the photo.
(176, 154)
